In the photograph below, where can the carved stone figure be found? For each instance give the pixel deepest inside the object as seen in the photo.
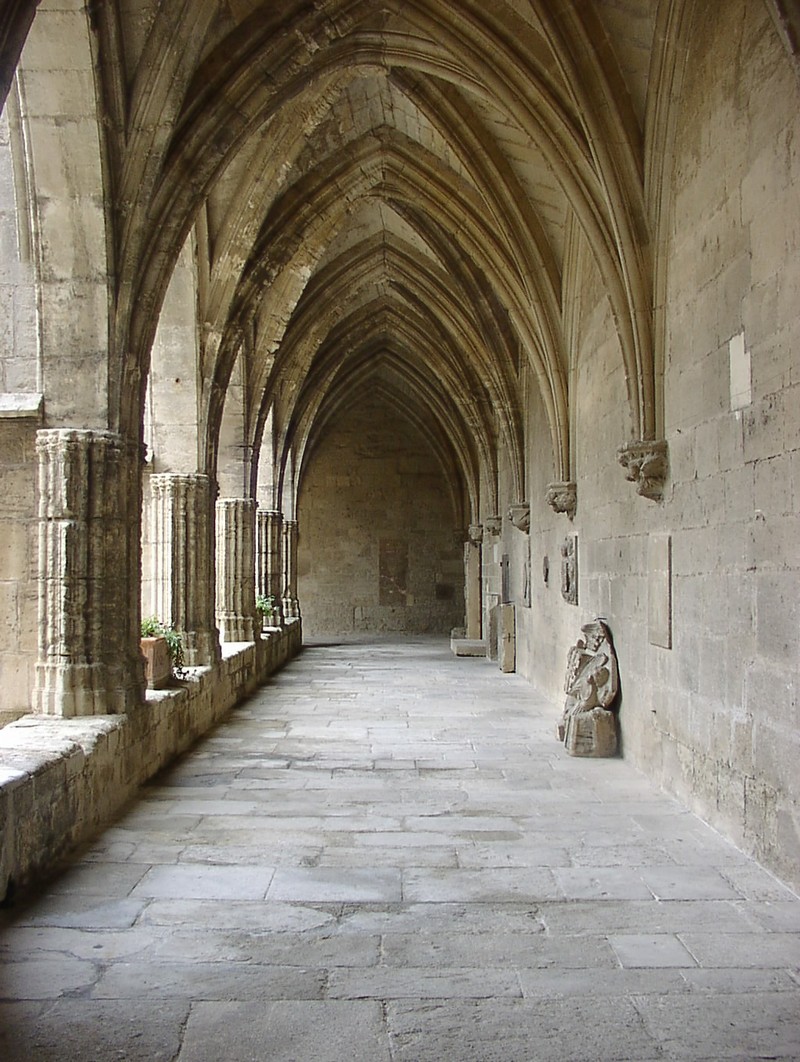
(475, 534)
(645, 464)
(563, 498)
(588, 726)
(493, 525)
(520, 516)
(569, 570)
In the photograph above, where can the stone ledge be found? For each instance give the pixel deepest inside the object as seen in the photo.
(468, 646)
(61, 780)
(21, 406)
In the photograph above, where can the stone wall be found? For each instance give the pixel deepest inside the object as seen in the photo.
(379, 547)
(19, 588)
(714, 717)
(62, 779)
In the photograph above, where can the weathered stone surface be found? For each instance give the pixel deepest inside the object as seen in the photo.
(414, 912)
(587, 727)
(494, 243)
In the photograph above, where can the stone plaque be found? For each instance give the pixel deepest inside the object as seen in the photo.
(569, 569)
(659, 590)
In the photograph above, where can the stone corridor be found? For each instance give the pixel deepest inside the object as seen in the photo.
(385, 855)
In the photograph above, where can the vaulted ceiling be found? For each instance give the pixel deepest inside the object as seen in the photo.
(387, 193)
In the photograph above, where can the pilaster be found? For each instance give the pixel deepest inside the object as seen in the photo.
(236, 581)
(183, 560)
(269, 567)
(89, 661)
(291, 605)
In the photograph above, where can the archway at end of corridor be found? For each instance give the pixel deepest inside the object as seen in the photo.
(381, 544)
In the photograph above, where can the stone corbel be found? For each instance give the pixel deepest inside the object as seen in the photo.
(493, 525)
(563, 498)
(520, 516)
(645, 464)
(475, 534)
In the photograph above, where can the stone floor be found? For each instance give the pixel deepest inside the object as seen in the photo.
(385, 855)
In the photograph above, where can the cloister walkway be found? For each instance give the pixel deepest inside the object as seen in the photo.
(385, 855)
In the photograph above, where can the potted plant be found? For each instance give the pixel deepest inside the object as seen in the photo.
(162, 648)
(265, 607)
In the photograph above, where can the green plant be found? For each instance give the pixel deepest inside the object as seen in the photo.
(152, 627)
(265, 605)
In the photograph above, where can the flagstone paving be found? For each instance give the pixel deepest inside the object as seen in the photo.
(385, 855)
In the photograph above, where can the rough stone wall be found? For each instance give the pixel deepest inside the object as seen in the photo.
(379, 549)
(726, 698)
(18, 341)
(19, 588)
(714, 717)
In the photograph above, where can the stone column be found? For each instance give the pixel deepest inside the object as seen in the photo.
(472, 581)
(236, 573)
(89, 661)
(269, 549)
(291, 606)
(183, 562)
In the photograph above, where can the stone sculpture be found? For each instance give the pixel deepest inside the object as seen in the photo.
(645, 464)
(588, 726)
(563, 498)
(520, 516)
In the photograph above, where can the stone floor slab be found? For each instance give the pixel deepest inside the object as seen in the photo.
(284, 1031)
(205, 882)
(79, 1029)
(332, 885)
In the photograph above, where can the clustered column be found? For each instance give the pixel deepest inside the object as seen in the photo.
(236, 582)
(269, 568)
(89, 661)
(183, 555)
(291, 605)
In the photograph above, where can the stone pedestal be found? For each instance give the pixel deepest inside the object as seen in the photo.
(291, 605)
(269, 566)
(89, 660)
(236, 574)
(183, 562)
(157, 662)
(592, 733)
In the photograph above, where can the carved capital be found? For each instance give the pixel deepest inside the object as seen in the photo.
(645, 464)
(520, 516)
(563, 498)
(475, 534)
(493, 525)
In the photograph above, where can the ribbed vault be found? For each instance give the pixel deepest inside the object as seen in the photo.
(381, 180)
(419, 182)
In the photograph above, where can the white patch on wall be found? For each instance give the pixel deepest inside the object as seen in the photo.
(741, 384)
(659, 595)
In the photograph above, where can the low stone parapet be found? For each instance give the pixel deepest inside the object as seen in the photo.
(62, 780)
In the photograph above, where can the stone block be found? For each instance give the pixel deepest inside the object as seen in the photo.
(468, 646)
(591, 733)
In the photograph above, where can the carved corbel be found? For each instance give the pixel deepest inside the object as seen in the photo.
(563, 498)
(493, 525)
(645, 464)
(520, 516)
(475, 534)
